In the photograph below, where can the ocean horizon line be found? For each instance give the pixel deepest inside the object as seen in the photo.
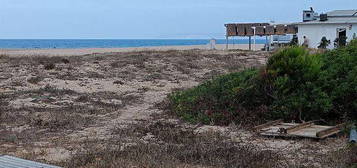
(242, 38)
(110, 43)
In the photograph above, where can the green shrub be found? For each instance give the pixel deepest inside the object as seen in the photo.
(221, 100)
(339, 79)
(294, 85)
(298, 96)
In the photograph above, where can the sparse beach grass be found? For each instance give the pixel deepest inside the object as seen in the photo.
(166, 145)
(103, 110)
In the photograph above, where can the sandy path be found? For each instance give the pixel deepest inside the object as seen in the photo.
(76, 52)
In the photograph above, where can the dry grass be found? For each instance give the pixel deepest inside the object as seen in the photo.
(167, 145)
(36, 115)
(60, 115)
(346, 157)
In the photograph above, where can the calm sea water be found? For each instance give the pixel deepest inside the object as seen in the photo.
(72, 43)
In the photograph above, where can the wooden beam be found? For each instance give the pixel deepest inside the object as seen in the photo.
(330, 131)
(268, 124)
(298, 127)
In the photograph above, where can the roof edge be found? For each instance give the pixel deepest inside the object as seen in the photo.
(316, 23)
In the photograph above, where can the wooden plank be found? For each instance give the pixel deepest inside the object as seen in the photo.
(269, 30)
(280, 29)
(268, 124)
(260, 31)
(294, 130)
(309, 132)
(249, 31)
(291, 29)
(330, 131)
(241, 30)
(297, 127)
(231, 30)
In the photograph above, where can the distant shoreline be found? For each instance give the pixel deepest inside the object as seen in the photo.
(109, 43)
(86, 51)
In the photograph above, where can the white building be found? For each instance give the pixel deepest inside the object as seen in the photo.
(332, 25)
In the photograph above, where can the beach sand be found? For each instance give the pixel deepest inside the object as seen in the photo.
(85, 51)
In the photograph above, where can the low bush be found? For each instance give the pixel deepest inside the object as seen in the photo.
(294, 85)
(220, 100)
(292, 75)
(339, 80)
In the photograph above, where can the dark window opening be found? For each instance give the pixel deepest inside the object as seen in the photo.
(341, 39)
(342, 33)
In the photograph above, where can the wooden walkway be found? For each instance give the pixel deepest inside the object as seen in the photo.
(304, 130)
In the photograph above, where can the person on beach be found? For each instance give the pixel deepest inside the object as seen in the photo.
(306, 42)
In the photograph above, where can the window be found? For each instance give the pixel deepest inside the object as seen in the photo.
(341, 32)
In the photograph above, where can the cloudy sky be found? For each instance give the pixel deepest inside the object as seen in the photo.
(145, 19)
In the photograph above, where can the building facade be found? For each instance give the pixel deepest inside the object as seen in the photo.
(335, 24)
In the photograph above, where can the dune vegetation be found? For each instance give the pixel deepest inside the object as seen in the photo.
(296, 84)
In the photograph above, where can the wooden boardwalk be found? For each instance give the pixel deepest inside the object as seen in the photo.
(304, 130)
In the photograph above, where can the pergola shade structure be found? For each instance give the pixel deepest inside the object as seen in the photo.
(261, 29)
(258, 29)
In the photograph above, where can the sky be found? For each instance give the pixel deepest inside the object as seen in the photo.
(146, 19)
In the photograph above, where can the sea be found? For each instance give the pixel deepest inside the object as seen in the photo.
(109, 43)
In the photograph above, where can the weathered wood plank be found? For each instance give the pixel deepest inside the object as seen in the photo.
(309, 132)
(241, 30)
(298, 127)
(330, 131)
(268, 124)
(249, 31)
(269, 30)
(231, 29)
(294, 130)
(280, 29)
(260, 31)
(291, 29)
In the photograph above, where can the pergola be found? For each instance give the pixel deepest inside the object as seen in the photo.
(258, 29)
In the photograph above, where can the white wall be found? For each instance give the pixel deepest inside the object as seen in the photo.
(314, 32)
